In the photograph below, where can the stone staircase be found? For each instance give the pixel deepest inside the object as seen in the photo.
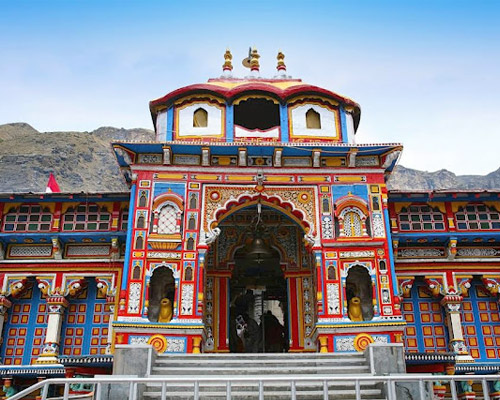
(280, 365)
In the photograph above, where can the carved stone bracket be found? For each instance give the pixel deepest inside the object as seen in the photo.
(435, 285)
(405, 284)
(492, 284)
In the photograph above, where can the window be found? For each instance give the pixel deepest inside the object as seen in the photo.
(136, 274)
(167, 220)
(352, 224)
(190, 244)
(124, 220)
(86, 217)
(192, 222)
(326, 205)
(420, 218)
(28, 218)
(200, 118)
(193, 202)
(143, 199)
(257, 113)
(141, 221)
(313, 119)
(139, 243)
(477, 216)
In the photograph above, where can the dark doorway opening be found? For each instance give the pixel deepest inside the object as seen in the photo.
(258, 307)
(259, 114)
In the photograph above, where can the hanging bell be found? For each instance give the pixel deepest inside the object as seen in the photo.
(259, 249)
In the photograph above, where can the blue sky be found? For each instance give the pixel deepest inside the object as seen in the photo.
(426, 73)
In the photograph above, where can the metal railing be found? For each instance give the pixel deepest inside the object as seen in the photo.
(228, 382)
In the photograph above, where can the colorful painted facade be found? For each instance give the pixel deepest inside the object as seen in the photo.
(253, 199)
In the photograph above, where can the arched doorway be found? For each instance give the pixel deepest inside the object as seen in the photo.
(259, 283)
(258, 317)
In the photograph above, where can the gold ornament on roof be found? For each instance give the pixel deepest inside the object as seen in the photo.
(254, 59)
(228, 64)
(281, 61)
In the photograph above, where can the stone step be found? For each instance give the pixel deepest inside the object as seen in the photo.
(288, 360)
(270, 362)
(338, 394)
(261, 356)
(252, 386)
(209, 369)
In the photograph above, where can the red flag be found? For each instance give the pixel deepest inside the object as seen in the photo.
(52, 186)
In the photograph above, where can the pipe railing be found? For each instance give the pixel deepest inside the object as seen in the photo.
(389, 381)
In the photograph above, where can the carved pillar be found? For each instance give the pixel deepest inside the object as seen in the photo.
(56, 248)
(156, 215)
(320, 296)
(111, 305)
(50, 351)
(452, 304)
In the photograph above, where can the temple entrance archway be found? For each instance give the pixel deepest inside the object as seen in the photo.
(259, 283)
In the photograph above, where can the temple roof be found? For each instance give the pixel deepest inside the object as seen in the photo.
(231, 88)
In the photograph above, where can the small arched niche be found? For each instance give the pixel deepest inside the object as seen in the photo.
(359, 284)
(313, 119)
(143, 199)
(161, 285)
(200, 118)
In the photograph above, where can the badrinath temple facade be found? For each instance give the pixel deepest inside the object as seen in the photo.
(254, 208)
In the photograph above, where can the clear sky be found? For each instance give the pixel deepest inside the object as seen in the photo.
(426, 73)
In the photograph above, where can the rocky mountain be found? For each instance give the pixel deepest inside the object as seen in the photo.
(84, 162)
(411, 179)
(80, 161)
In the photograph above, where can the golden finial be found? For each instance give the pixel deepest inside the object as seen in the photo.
(254, 60)
(281, 61)
(228, 57)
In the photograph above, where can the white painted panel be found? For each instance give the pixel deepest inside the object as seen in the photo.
(350, 128)
(214, 121)
(161, 126)
(328, 122)
(242, 133)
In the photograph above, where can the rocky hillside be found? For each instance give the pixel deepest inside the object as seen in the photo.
(412, 179)
(80, 161)
(84, 162)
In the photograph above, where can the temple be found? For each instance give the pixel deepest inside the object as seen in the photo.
(255, 222)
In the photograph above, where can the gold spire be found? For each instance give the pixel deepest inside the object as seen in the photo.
(254, 60)
(281, 61)
(228, 57)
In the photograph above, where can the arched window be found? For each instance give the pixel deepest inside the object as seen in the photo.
(420, 218)
(193, 202)
(167, 215)
(352, 224)
(27, 218)
(326, 205)
(136, 274)
(141, 221)
(200, 118)
(188, 274)
(86, 217)
(190, 244)
(139, 243)
(167, 220)
(332, 275)
(477, 216)
(192, 222)
(143, 199)
(313, 119)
